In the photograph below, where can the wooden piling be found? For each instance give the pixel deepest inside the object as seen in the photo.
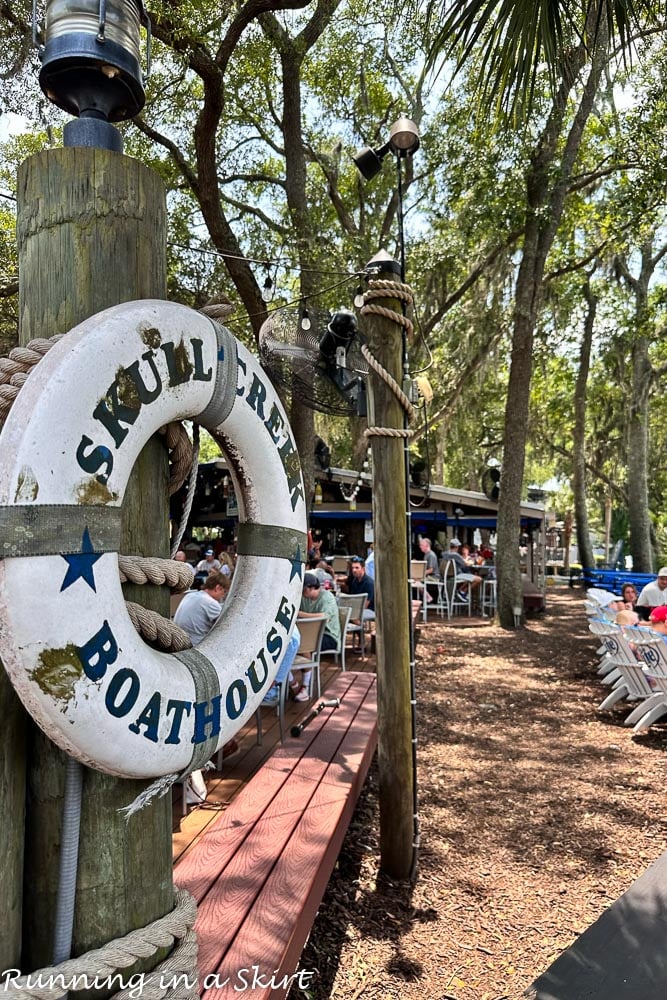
(92, 233)
(12, 803)
(392, 597)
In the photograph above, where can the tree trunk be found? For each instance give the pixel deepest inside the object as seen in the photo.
(637, 422)
(638, 512)
(547, 180)
(510, 593)
(586, 557)
(642, 373)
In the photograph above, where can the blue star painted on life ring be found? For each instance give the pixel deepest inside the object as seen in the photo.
(80, 564)
(296, 564)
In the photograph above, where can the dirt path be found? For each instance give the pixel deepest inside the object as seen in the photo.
(536, 814)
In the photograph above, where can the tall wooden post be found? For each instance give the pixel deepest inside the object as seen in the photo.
(91, 234)
(12, 804)
(392, 596)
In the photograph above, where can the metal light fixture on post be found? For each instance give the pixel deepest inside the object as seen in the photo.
(403, 141)
(90, 55)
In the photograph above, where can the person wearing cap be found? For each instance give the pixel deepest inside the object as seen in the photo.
(654, 594)
(455, 556)
(317, 601)
(658, 620)
(464, 578)
(208, 563)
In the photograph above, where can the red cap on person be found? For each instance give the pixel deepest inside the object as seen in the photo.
(659, 614)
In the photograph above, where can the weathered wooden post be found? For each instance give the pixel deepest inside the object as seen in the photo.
(92, 234)
(12, 803)
(392, 600)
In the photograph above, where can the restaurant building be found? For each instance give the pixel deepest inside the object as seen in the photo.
(341, 514)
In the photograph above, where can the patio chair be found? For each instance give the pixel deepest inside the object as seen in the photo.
(417, 584)
(652, 649)
(340, 564)
(356, 604)
(451, 590)
(310, 650)
(344, 615)
(610, 633)
(632, 682)
(626, 648)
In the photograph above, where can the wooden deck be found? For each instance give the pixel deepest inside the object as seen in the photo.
(259, 872)
(238, 770)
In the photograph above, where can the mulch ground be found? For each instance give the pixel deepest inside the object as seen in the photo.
(536, 813)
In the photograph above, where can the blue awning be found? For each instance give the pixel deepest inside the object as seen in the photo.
(436, 518)
(341, 515)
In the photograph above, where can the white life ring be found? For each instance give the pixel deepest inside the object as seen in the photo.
(66, 453)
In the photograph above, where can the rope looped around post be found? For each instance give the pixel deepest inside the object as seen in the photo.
(99, 967)
(381, 290)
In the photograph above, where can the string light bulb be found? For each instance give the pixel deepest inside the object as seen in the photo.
(359, 297)
(267, 291)
(305, 319)
(351, 497)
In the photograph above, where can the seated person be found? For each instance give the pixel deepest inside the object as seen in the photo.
(196, 615)
(200, 609)
(284, 674)
(464, 578)
(317, 601)
(466, 555)
(658, 620)
(314, 602)
(629, 596)
(653, 595)
(626, 617)
(325, 575)
(208, 563)
(359, 582)
(476, 557)
(226, 564)
(432, 571)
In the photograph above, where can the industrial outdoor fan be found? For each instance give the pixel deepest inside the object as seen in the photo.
(322, 367)
(491, 483)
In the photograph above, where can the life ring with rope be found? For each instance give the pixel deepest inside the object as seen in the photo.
(66, 452)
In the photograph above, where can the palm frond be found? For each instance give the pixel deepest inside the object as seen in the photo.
(514, 39)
